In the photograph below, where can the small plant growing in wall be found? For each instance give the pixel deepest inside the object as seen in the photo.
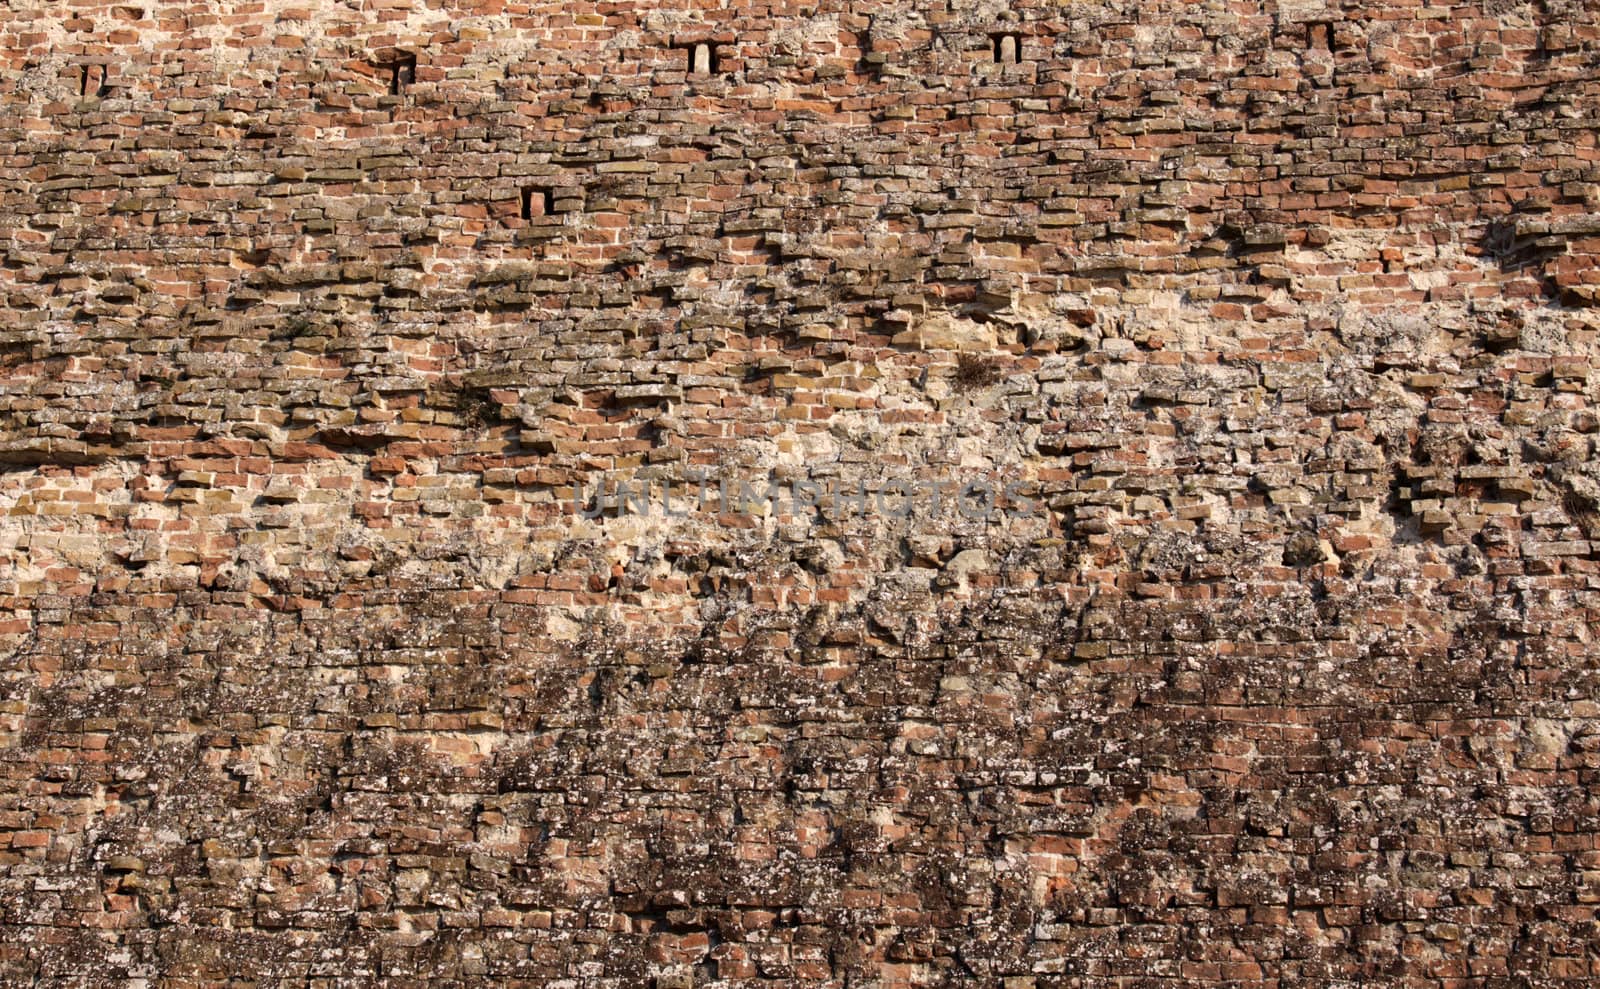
(973, 371)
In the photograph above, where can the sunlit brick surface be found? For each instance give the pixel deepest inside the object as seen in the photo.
(316, 314)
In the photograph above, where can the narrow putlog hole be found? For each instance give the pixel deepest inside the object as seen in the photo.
(537, 202)
(92, 81)
(702, 57)
(402, 73)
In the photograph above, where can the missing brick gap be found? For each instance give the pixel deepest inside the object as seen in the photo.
(1319, 36)
(1007, 49)
(402, 73)
(537, 202)
(702, 57)
(92, 81)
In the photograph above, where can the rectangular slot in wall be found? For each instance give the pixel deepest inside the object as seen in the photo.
(1319, 36)
(1007, 49)
(402, 73)
(92, 80)
(537, 202)
(702, 57)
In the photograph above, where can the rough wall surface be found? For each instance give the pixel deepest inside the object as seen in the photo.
(315, 314)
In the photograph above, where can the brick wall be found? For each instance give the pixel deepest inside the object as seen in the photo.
(317, 317)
